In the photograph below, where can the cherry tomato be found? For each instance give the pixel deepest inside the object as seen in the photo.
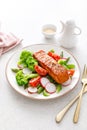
(35, 81)
(71, 72)
(54, 56)
(40, 70)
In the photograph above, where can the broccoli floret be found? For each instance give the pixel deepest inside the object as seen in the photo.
(27, 60)
(24, 55)
(31, 62)
(21, 78)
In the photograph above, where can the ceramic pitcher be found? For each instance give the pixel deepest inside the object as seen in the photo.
(69, 34)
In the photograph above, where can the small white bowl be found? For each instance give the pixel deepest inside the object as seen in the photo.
(49, 30)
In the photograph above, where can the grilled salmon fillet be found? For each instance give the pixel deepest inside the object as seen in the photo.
(55, 70)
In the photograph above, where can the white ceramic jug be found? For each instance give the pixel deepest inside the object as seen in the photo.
(68, 36)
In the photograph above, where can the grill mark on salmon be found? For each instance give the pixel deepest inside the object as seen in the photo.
(55, 70)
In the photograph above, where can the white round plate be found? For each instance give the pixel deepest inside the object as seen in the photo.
(12, 63)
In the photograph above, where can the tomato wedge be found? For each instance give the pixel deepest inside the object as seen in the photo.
(54, 56)
(40, 70)
(71, 72)
(35, 81)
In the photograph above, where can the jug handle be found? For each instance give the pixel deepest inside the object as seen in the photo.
(63, 26)
(78, 32)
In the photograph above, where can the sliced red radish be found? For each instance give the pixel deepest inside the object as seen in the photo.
(63, 58)
(26, 71)
(50, 88)
(20, 66)
(67, 82)
(44, 81)
(32, 90)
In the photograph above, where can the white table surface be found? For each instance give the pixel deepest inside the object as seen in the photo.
(25, 18)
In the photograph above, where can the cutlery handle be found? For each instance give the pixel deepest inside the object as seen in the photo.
(77, 110)
(61, 114)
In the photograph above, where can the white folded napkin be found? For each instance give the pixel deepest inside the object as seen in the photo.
(8, 41)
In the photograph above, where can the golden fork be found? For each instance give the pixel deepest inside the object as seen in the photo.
(84, 82)
(61, 114)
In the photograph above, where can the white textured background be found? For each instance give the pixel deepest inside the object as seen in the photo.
(25, 18)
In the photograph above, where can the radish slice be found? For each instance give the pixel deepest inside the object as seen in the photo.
(20, 66)
(63, 58)
(50, 88)
(44, 81)
(26, 71)
(32, 90)
(67, 82)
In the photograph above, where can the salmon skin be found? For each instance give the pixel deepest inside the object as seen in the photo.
(55, 70)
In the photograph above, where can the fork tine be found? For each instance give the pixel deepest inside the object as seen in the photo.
(84, 75)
